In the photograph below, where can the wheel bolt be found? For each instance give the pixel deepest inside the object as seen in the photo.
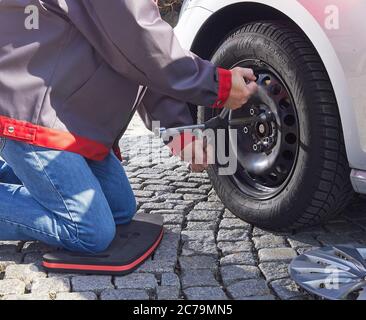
(252, 112)
(245, 130)
(255, 147)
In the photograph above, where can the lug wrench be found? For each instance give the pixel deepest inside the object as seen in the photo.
(219, 122)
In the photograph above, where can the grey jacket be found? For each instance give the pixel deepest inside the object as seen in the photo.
(74, 83)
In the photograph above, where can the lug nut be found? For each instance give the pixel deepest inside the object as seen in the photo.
(255, 147)
(245, 130)
(252, 112)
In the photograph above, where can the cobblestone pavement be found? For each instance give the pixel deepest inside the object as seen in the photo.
(207, 253)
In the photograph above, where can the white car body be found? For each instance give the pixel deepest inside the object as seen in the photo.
(337, 30)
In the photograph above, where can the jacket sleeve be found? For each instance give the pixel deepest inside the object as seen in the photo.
(133, 39)
(168, 111)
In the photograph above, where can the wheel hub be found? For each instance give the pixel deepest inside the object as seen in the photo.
(267, 148)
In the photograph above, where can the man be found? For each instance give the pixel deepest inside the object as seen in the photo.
(67, 92)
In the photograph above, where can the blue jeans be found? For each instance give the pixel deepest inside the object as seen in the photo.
(60, 198)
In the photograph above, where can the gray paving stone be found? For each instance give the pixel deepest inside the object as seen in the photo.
(150, 176)
(197, 263)
(242, 258)
(229, 215)
(232, 235)
(166, 255)
(276, 254)
(191, 185)
(155, 182)
(235, 273)
(167, 293)
(205, 293)
(234, 247)
(124, 294)
(200, 175)
(302, 241)
(159, 188)
(157, 267)
(30, 297)
(194, 197)
(170, 280)
(257, 232)
(199, 180)
(194, 248)
(136, 281)
(209, 206)
(11, 286)
(166, 212)
(269, 241)
(201, 215)
(50, 285)
(184, 207)
(157, 206)
(91, 283)
(286, 289)
(231, 224)
(198, 278)
(248, 288)
(261, 298)
(7, 259)
(76, 296)
(197, 226)
(24, 272)
(190, 191)
(173, 219)
(274, 270)
(207, 236)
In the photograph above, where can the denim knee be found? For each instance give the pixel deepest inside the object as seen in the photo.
(131, 208)
(97, 239)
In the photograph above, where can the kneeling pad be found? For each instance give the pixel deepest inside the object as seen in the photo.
(132, 245)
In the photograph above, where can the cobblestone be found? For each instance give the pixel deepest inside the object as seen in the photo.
(235, 273)
(124, 294)
(246, 258)
(205, 293)
(167, 293)
(24, 272)
(91, 283)
(248, 288)
(197, 263)
(276, 254)
(51, 285)
(76, 296)
(198, 278)
(136, 281)
(11, 286)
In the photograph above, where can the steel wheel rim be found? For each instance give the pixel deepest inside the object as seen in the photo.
(269, 184)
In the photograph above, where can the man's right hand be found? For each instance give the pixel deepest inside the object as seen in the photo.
(243, 87)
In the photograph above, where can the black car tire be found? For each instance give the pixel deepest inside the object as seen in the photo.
(319, 186)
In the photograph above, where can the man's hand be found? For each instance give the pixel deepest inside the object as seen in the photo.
(198, 153)
(243, 87)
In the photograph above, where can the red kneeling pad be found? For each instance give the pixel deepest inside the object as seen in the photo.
(133, 244)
